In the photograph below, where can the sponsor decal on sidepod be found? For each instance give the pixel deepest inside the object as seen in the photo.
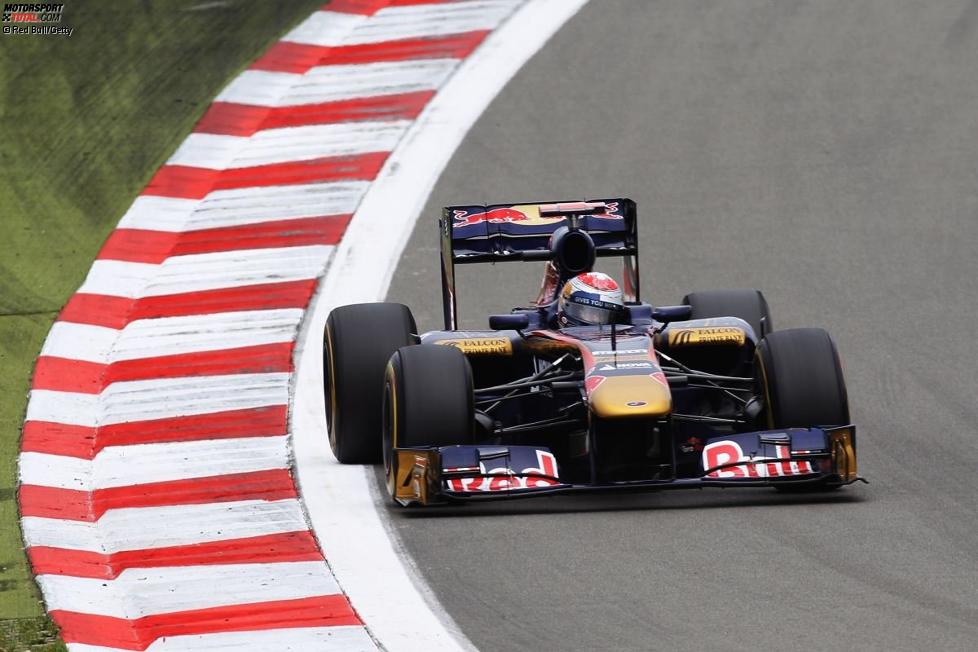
(707, 335)
(480, 345)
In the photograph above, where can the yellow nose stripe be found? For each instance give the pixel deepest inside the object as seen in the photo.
(631, 396)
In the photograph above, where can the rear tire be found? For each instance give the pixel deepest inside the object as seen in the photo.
(358, 341)
(801, 379)
(428, 401)
(749, 305)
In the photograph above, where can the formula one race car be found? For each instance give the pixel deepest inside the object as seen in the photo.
(588, 389)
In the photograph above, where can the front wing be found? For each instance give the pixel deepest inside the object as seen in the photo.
(796, 456)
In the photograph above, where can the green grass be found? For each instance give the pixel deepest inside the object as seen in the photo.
(84, 122)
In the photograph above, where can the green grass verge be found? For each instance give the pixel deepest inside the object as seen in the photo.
(86, 120)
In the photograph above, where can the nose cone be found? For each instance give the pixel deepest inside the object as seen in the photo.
(631, 396)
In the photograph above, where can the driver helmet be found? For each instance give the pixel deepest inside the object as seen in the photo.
(589, 299)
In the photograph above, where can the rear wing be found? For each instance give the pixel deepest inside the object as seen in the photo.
(497, 233)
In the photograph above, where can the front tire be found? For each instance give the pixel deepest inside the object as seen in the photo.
(428, 401)
(357, 344)
(802, 381)
(800, 377)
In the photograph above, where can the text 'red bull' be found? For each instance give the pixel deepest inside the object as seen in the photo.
(504, 479)
(494, 216)
(730, 456)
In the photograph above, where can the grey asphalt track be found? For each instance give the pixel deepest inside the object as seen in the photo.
(827, 153)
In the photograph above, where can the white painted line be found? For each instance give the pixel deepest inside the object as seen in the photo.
(140, 400)
(397, 23)
(62, 407)
(248, 205)
(334, 83)
(212, 271)
(159, 213)
(228, 269)
(325, 28)
(55, 471)
(288, 144)
(290, 639)
(138, 528)
(174, 397)
(149, 338)
(243, 206)
(124, 466)
(212, 151)
(139, 592)
(418, 21)
(117, 279)
(258, 87)
(79, 342)
(317, 141)
(392, 600)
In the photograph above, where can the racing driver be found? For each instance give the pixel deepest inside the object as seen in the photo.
(590, 299)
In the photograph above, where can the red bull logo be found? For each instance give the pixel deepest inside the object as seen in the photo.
(494, 216)
(726, 459)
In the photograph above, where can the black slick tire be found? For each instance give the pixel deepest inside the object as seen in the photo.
(800, 376)
(802, 380)
(358, 341)
(749, 305)
(428, 401)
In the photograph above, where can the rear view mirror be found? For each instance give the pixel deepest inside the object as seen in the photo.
(515, 321)
(666, 314)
